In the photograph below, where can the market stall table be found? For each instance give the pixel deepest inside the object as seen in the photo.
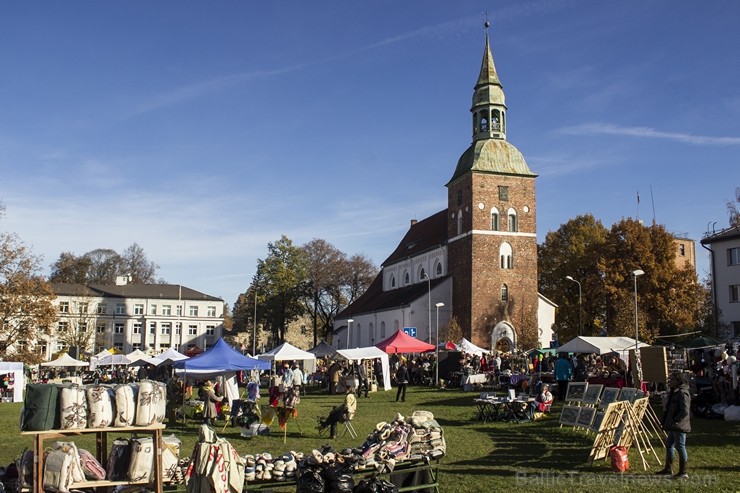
(467, 381)
(490, 409)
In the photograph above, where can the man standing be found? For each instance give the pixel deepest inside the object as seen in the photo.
(297, 379)
(677, 423)
(362, 376)
(402, 379)
(563, 373)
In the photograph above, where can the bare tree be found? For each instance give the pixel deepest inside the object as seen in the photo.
(135, 263)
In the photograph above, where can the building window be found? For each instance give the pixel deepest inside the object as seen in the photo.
(136, 345)
(178, 328)
(101, 329)
(152, 309)
(192, 330)
(682, 250)
(513, 226)
(734, 293)
(179, 310)
(167, 310)
(120, 308)
(177, 347)
(166, 328)
(118, 346)
(504, 292)
(152, 327)
(422, 274)
(138, 309)
(396, 326)
(211, 330)
(494, 220)
(506, 255)
(63, 326)
(382, 330)
(503, 193)
(393, 281)
(211, 311)
(459, 222)
(406, 279)
(438, 269)
(102, 309)
(137, 327)
(193, 310)
(83, 307)
(118, 329)
(733, 256)
(64, 307)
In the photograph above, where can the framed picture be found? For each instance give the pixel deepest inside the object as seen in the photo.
(610, 395)
(586, 417)
(576, 391)
(598, 418)
(593, 392)
(569, 415)
(628, 394)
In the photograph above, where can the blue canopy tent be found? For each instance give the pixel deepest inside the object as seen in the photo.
(219, 360)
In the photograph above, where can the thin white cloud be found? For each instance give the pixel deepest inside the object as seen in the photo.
(649, 133)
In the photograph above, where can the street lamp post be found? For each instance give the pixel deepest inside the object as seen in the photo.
(436, 366)
(429, 303)
(254, 328)
(349, 329)
(580, 310)
(638, 367)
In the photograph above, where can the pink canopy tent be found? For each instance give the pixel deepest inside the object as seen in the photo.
(400, 342)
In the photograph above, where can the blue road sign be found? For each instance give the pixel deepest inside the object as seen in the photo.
(410, 331)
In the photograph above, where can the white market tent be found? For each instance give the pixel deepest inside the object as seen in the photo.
(19, 382)
(167, 357)
(599, 345)
(288, 352)
(113, 359)
(468, 347)
(65, 360)
(363, 353)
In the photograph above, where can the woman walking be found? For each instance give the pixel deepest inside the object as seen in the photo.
(677, 423)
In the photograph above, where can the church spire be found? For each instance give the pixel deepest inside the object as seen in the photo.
(489, 106)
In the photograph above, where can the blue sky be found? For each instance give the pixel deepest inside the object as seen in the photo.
(204, 130)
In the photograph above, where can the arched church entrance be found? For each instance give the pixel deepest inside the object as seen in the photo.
(503, 338)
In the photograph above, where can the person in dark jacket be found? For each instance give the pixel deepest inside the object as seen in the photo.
(402, 379)
(208, 395)
(362, 377)
(677, 423)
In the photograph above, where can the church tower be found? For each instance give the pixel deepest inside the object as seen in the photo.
(492, 227)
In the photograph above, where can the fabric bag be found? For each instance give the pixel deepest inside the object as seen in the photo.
(25, 469)
(100, 407)
(151, 406)
(119, 460)
(141, 467)
(57, 471)
(72, 407)
(90, 466)
(40, 407)
(75, 468)
(125, 398)
(619, 458)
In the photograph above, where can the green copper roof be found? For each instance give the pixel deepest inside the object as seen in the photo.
(492, 156)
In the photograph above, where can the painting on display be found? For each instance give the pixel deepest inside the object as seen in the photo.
(569, 415)
(586, 417)
(576, 391)
(593, 392)
(610, 395)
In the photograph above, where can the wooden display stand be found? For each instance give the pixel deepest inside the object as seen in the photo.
(101, 453)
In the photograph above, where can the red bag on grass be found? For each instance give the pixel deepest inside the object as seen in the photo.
(620, 459)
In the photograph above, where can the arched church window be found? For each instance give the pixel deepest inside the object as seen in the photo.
(494, 219)
(495, 119)
(406, 279)
(504, 292)
(382, 330)
(459, 222)
(395, 326)
(438, 269)
(512, 220)
(483, 125)
(422, 274)
(506, 254)
(393, 281)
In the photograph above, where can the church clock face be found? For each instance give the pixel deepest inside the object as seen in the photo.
(481, 205)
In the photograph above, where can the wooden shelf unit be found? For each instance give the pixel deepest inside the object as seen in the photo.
(101, 453)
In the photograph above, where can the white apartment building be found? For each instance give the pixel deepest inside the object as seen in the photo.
(724, 247)
(150, 317)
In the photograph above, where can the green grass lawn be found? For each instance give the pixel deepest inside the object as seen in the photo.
(480, 456)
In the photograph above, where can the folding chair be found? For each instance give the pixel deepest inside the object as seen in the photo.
(349, 428)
